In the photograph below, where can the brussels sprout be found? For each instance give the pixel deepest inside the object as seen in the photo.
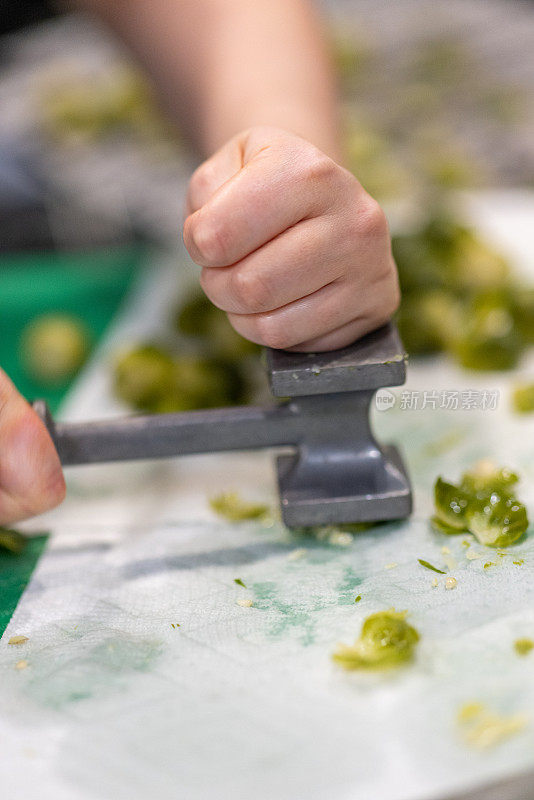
(451, 504)
(486, 477)
(498, 520)
(386, 641)
(523, 398)
(200, 318)
(427, 321)
(54, 347)
(232, 507)
(522, 304)
(489, 339)
(13, 541)
(482, 504)
(144, 378)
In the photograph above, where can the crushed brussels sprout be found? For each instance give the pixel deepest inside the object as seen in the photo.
(428, 565)
(232, 507)
(55, 347)
(523, 646)
(483, 728)
(357, 598)
(386, 641)
(239, 582)
(523, 398)
(482, 504)
(12, 541)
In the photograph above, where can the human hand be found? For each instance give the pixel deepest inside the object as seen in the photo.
(290, 244)
(31, 479)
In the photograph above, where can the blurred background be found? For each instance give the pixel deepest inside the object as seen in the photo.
(438, 107)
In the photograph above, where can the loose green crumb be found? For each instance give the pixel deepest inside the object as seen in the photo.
(523, 646)
(519, 563)
(483, 504)
(386, 641)
(482, 728)
(431, 566)
(489, 564)
(239, 582)
(175, 624)
(12, 541)
(18, 640)
(358, 598)
(230, 506)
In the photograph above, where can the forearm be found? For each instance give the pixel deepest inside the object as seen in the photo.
(225, 65)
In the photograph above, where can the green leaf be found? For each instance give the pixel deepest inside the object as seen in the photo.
(430, 566)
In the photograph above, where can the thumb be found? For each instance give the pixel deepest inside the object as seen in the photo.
(31, 479)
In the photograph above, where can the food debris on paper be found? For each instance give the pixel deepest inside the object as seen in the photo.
(523, 646)
(428, 565)
(22, 664)
(18, 640)
(245, 602)
(386, 641)
(231, 506)
(239, 582)
(450, 582)
(483, 728)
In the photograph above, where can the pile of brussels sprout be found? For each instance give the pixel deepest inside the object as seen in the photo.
(206, 366)
(458, 296)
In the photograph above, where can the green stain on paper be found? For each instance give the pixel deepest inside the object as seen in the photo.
(75, 667)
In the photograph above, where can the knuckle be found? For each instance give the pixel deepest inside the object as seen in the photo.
(201, 181)
(371, 220)
(251, 291)
(318, 167)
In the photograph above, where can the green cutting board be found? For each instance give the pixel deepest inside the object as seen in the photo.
(88, 285)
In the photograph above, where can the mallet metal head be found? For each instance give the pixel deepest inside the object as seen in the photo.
(337, 472)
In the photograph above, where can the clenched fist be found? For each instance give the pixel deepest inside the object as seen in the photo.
(290, 244)
(31, 480)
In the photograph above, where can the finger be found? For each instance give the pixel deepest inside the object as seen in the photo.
(321, 313)
(31, 479)
(271, 193)
(296, 263)
(211, 175)
(338, 338)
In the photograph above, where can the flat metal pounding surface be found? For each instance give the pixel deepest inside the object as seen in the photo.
(376, 360)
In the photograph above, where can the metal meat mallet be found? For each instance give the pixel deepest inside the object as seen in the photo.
(337, 472)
